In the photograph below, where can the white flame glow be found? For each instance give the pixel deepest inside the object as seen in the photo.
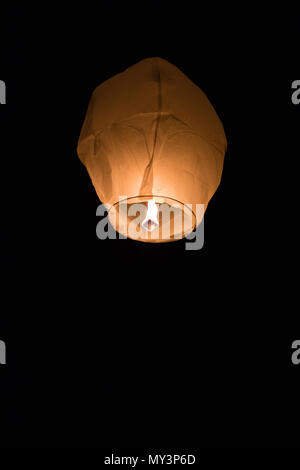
(150, 222)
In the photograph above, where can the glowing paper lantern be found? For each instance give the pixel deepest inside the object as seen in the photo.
(151, 140)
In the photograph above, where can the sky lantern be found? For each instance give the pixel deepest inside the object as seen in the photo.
(154, 148)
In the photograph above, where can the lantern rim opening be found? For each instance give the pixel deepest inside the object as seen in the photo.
(179, 212)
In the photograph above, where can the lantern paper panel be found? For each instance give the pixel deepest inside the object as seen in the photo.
(151, 139)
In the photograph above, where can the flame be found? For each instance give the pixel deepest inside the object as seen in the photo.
(150, 222)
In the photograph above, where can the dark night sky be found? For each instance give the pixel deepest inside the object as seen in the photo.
(207, 364)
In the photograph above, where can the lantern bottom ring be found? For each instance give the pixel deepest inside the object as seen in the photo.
(176, 219)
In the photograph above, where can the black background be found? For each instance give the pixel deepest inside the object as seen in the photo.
(92, 361)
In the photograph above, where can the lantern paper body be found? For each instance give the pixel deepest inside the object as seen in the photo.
(151, 133)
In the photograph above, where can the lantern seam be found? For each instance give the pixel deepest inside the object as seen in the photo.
(119, 123)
